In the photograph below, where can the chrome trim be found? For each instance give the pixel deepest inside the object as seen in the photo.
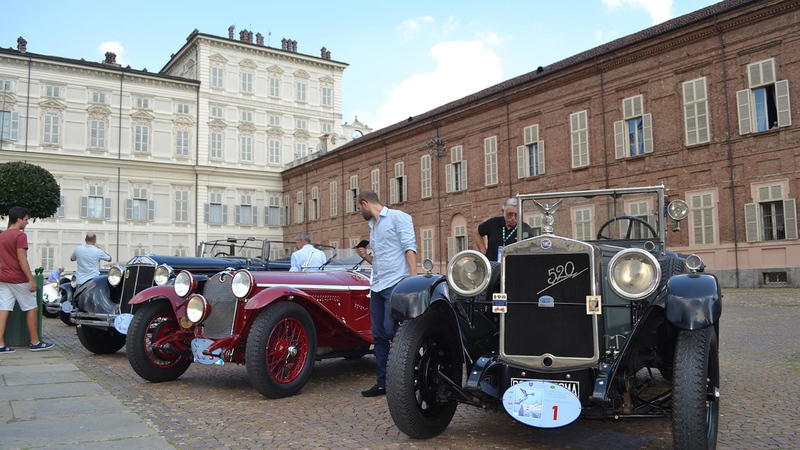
(329, 287)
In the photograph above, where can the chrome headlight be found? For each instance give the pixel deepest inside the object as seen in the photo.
(634, 274)
(162, 275)
(242, 284)
(185, 283)
(115, 275)
(73, 281)
(468, 273)
(678, 210)
(693, 262)
(197, 309)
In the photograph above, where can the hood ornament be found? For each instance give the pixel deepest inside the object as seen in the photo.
(547, 220)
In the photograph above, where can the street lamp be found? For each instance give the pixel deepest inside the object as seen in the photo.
(435, 146)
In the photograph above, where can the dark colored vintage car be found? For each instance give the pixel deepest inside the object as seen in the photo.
(51, 298)
(557, 315)
(101, 307)
(278, 323)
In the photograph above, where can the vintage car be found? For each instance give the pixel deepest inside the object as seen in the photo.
(277, 323)
(51, 295)
(101, 307)
(562, 327)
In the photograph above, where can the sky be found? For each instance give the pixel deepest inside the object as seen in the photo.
(405, 58)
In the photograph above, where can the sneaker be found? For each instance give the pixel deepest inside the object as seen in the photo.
(42, 345)
(6, 349)
(374, 391)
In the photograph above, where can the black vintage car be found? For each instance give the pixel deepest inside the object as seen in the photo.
(100, 309)
(608, 321)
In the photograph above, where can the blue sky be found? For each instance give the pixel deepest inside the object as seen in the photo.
(405, 57)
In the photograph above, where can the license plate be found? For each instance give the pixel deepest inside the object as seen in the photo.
(572, 386)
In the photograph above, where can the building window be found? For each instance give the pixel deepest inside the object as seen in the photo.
(638, 229)
(52, 127)
(139, 208)
(350, 197)
(247, 82)
(274, 87)
(313, 204)
(300, 91)
(274, 120)
(99, 97)
(425, 176)
(183, 108)
(765, 105)
(695, 111)
(181, 252)
(139, 251)
(62, 207)
(772, 217)
(455, 173)
(274, 151)
(457, 242)
(702, 209)
(216, 112)
(52, 91)
(327, 96)
(48, 258)
(182, 143)
(579, 135)
(246, 213)
(6, 85)
(583, 224)
(300, 150)
(375, 181)
(327, 128)
(633, 136)
(95, 205)
(299, 208)
(141, 138)
(301, 124)
(427, 244)
(217, 77)
(181, 204)
(247, 116)
(273, 214)
(216, 145)
(142, 103)
(490, 160)
(334, 190)
(398, 188)
(530, 155)
(246, 148)
(9, 125)
(97, 134)
(215, 211)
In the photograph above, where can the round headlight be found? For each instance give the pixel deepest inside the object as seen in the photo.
(184, 283)
(468, 273)
(242, 284)
(678, 209)
(115, 275)
(162, 275)
(693, 262)
(73, 281)
(197, 309)
(634, 274)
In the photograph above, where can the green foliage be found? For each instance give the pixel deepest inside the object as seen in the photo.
(29, 186)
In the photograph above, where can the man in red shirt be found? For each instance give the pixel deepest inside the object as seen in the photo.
(16, 280)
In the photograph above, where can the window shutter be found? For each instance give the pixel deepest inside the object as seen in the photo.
(752, 229)
(151, 210)
(448, 178)
(224, 214)
(652, 219)
(531, 134)
(619, 139)
(255, 216)
(282, 216)
(451, 247)
(522, 162)
(790, 218)
(61, 211)
(107, 208)
(405, 188)
(638, 106)
(205, 212)
(15, 125)
(540, 149)
(128, 209)
(754, 74)
(743, 108)
(623, 227)
(647, 125)
(627, 108)
(393, 190)
(782, 103)
(238, 212)
(464, 175)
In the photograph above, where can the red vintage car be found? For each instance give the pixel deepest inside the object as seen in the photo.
(277, 323)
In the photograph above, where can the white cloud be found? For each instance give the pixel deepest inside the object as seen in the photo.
(492, 38)
(659, 10)
(462, 68)
(451, 25)
(410, 27)
(114, 47)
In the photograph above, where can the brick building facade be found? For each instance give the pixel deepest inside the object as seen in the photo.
(702, 104)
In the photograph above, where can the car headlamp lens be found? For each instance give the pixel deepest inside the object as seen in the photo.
(634, 274)
(115, 275)
(693, 262)
(184, 284)
(678, 209)
(197, 309)
(242, 284)
(468, 273)
(162, 275)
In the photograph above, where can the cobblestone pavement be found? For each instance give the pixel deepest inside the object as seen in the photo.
(216, 407)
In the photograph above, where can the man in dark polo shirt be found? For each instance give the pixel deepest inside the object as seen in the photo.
(500, 231)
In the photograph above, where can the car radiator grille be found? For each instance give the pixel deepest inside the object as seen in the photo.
(136, 279)
(218, 292)
(562, 330)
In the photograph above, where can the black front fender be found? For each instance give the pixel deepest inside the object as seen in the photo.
(412, 296)
(693, 301)
(94, 296)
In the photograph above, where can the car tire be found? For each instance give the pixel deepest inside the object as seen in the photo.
(65, 318)
(150, 323)
(100, 341)
(695, 406)
(670, 267)
(47, 314)
(281, 349)
(421, 348)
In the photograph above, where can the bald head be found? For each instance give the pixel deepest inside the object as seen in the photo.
(91, 238)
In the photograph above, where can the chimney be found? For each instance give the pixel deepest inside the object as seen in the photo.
(322, 51)
(328, 55)
(230, 32)
(243, 35)
(250, 37)
(22, 44)
(259, 39)
(283, 44)
(111, 58)
(294, 46)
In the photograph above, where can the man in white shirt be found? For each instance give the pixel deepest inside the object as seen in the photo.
(88, 257)
(306, 258)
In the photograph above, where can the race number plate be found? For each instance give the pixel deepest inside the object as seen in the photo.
(541, 404)
(122, 322)
(199, 345)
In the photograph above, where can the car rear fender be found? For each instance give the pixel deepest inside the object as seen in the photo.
(152, 293)
(414, 295)
(693, 301)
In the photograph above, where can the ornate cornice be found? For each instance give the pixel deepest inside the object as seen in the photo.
(326, 81)
(301, 74)
(247, 127)
(98, 112)
(50, 104)
(183, 121)
(217, 125)
(301, 135)
(274, 132)
(275, 70)
(273, 54)
(216, 58)
(142, 115)
(248, 64)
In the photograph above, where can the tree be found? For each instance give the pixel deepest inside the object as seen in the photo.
(29, 186)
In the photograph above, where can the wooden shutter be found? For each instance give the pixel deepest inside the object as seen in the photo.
(393, 190)
(522, 159)
(449, 178)
(151, 210)
(107, 208)
(540, 149)
(464, 175)
(451, 247)
(404, 179)
(647, 125)
(128, 209)
(790, 218)
(205, 212)
(752, 228)
(743, 109)
(620, 139)
(531, 134)
(224, 214)
(14, 126)
(237, 215)
(782, 103)
(84, 213)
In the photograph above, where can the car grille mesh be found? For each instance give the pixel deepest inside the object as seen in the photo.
(218, 292)
(562, 330)
(136, 279)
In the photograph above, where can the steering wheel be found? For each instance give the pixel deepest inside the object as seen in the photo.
(630, 220)
(221, 254)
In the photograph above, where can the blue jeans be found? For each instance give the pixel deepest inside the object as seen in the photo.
(383, 328)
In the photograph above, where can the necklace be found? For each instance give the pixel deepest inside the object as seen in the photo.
(510, 233)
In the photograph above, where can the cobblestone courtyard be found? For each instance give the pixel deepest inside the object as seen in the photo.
(216, 407)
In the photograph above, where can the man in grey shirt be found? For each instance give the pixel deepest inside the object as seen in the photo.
(88, 257)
